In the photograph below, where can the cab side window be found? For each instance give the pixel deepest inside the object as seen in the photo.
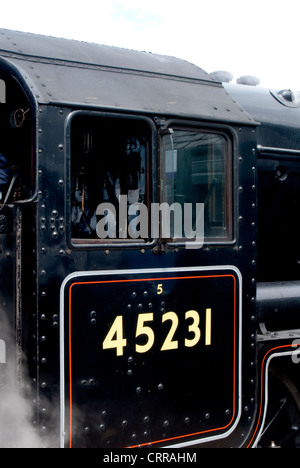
(109, 168)
(197, 169)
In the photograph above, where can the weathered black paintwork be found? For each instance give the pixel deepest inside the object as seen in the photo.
(122, 402)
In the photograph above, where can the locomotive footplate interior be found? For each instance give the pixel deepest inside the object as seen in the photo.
(144, 354)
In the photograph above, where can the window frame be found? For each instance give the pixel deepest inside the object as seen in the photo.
(227, 133)
(156, 132)
(110, 243)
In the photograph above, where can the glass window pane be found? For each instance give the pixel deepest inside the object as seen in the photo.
(2, 92)
(109, 171)
(197, 170)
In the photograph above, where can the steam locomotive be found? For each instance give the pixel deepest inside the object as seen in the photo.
(149, 252)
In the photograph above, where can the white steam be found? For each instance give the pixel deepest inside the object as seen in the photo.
(16, 411)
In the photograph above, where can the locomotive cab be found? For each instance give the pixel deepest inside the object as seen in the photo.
(128, 257)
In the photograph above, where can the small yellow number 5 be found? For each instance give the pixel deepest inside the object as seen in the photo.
(160, 289)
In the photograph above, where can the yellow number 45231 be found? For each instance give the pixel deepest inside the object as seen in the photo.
(115, 337)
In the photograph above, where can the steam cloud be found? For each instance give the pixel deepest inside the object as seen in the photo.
(16, 410)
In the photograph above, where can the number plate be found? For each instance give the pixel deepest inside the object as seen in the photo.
(149, 356)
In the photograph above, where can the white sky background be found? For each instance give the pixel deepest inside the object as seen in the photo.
(255, 37)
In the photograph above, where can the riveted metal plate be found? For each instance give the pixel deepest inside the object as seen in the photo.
(161, 341)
